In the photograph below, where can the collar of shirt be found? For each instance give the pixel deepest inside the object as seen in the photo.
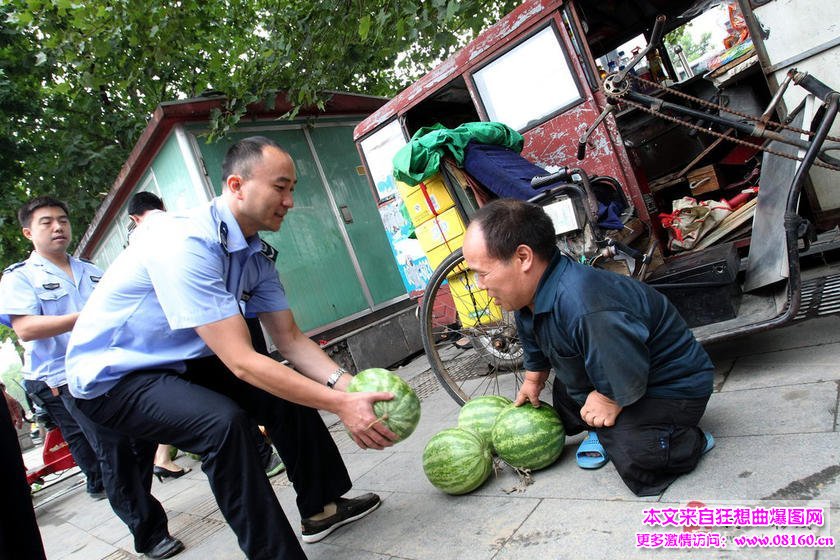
(36, 259)
(550, 284)
(230, 234)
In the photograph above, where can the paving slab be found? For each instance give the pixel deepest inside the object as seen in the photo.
(794, 409)
(788, 466)
(824, 330)
(439, 526)
(778, 375)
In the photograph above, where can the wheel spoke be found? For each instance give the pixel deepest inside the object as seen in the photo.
(471, 344)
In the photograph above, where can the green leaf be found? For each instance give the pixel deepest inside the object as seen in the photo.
(364, 27)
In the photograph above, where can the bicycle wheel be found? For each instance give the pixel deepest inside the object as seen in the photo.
(471, 344)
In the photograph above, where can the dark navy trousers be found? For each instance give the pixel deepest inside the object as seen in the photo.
(209, 411)
(79, 445)
(653, 442)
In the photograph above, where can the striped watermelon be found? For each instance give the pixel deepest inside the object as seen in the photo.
(479, 414)
(457, 461)
(528, 438)
(401, 414)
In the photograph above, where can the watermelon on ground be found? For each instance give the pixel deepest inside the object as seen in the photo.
(402, 413)
(528, 438)
(479, 414)
(457, 461)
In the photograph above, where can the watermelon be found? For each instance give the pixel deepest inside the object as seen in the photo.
(479, 414)
(457, 461)
(528, 438)
(401, 414)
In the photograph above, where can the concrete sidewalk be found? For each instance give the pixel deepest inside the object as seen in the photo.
(774, 416)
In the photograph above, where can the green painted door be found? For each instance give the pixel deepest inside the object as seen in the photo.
(313, 259)
(340, 163)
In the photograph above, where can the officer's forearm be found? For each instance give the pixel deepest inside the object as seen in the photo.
(229, 340)
(36, 327)
(279, 380)
(309, 359)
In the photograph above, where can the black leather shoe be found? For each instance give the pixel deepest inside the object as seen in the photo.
(346, 512)
(166, 548)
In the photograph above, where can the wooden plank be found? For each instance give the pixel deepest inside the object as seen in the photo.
(729, 224)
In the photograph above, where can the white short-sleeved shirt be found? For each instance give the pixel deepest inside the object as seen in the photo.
(38, 287)
(180, 271)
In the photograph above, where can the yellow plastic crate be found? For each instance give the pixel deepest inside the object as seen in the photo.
(474, 306)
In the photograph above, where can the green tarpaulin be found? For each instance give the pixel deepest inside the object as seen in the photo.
(420, 158)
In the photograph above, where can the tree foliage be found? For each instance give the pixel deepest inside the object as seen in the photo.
(692, 48)
(78, 80)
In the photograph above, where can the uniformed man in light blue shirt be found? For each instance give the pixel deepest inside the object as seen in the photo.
(40, 298)
(162, 352)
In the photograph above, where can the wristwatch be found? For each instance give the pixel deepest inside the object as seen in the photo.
(335, 376)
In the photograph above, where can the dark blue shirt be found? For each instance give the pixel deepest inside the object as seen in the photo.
(606, 332)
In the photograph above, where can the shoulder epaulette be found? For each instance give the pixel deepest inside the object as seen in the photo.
(14, 266)
(268, 251)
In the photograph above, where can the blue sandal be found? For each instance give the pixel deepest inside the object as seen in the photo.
(590, 453)
(710, 442)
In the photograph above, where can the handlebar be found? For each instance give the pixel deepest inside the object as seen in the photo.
(813, 85)
(543, 180)
(580, 187)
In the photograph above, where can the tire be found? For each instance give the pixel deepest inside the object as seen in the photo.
(488, 357)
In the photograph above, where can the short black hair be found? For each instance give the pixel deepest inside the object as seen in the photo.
(243, 154)
(143, 201)
(507, 223)
(26, 211)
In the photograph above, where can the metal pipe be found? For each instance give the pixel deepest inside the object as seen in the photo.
(655, 36)
(684, 61)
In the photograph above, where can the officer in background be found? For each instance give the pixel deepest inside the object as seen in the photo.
(40, 298)
(162, 352)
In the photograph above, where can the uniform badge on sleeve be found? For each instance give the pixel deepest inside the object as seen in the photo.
(268, 251)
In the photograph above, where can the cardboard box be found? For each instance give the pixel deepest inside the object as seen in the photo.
(406, 190)
(451, 224)
(436, 231)
(439, 253)
(430, 199)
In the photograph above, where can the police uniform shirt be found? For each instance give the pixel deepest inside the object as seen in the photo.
(38, 287)
(186, 271)
(606, 332)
